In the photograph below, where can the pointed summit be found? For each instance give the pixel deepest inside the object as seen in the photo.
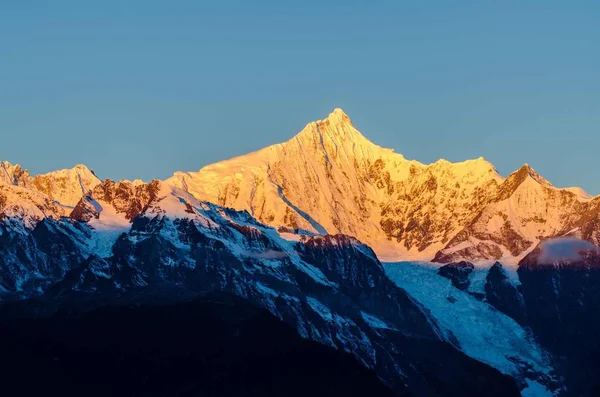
(514, 180)
(527, 171)
(13, 174)
(337, 130)
(338, 116)
(337, 119)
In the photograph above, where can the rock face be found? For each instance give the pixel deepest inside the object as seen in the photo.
(126, 198)
(560, 280)
(557, 297)
(330, 179)
(458, 273)
(502, 294)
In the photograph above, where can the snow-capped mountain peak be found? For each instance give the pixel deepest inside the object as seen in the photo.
(527, 171)
(64, 186)
(330, 179)
(338, 116)
(11, 174)
(334, 136)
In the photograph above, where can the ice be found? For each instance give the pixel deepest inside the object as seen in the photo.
(483, 332)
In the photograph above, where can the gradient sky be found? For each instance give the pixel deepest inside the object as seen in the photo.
(147, 88)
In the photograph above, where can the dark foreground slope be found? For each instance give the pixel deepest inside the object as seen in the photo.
(219, 345)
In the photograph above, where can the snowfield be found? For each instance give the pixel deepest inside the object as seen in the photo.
(482, 332)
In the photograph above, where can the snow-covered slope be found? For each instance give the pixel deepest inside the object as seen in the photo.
(482, 332)
(26, 207)
(331, 179)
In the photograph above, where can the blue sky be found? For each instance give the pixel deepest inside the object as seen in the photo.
(146, 88)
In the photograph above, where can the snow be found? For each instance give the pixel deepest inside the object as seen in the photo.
(351, 342)
(321, 160)
(326, 179)
(483, 332)
(106, 228)
(320, 308)
(266, 290)
(290, 236)
(579, 192)
(66, 186)
(322, 181)
(565, 248)
(27, 205)
(329, 178)
(374, 321)
(534, 389)
(174, 203)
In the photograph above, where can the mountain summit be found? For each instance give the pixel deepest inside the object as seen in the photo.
(331, 179)
(65, 186)
(337, 129)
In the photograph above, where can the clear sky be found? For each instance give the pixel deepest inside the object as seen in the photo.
(146, 88)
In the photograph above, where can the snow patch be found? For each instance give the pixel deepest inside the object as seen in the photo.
(564, 248)
(374, 322)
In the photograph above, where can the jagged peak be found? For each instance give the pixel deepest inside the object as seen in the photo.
(527, 171)
(517, 178)
(82, 167)
(15, 170)
(336, 123)
(337, 128)
(338, 116)
(77, 169)
(8, 164)
(12, 174)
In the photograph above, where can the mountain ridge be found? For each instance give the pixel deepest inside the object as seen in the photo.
(329, 179)
(65, 186)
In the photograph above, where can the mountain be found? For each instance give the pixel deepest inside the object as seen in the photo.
(298, 230)
(556, 296)
(26, 207)
(65, 187)
(127, 243)
(330, 179)
(526, 210)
